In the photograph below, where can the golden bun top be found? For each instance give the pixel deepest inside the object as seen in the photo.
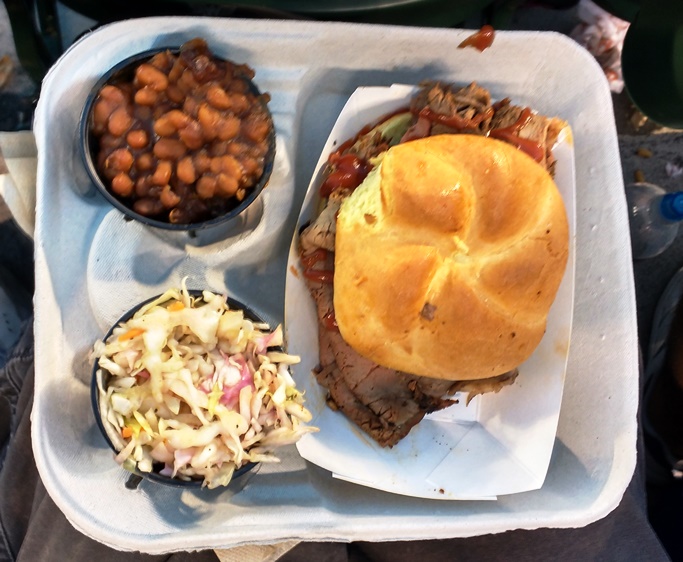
(448, 258)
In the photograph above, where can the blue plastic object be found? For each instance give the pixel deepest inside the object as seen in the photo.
(672, 206)
(654, 218)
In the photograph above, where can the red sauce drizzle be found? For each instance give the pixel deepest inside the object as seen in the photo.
(332, 158)
(481, 40)
(322, 276)
(318, 275)
(316, 256)
(511, 135)
(352, 170)
(455, 121)
(349, 172)
(330, 322)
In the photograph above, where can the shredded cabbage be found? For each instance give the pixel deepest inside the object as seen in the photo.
(195, 389)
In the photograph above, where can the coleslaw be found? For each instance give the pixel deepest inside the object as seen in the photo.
(193, 389)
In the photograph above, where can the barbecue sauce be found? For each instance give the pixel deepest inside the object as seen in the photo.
(314, 257)
(309, 261)
(348, 173)
(481, 40)
(511, 135)
(349, 170)
(330, 322)
(319, 275)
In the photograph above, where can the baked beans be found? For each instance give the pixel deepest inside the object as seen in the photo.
(182, 138)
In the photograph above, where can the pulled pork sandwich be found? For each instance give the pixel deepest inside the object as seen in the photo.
(435, 258)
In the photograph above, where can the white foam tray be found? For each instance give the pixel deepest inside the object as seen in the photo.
(311, 69)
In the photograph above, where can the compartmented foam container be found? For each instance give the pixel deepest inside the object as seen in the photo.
(91, 266)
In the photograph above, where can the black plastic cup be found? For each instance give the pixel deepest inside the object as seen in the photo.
(207, 231)
(136, 475)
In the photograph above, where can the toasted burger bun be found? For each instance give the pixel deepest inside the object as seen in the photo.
(448, 258)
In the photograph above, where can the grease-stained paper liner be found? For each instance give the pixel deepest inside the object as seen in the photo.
(498, 444)
(311, 69)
